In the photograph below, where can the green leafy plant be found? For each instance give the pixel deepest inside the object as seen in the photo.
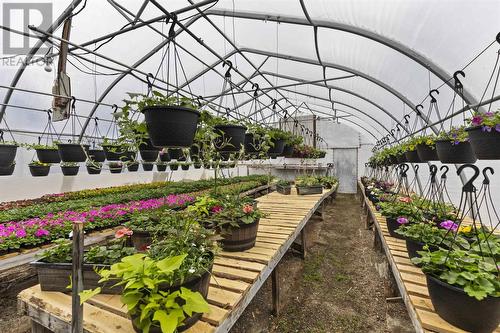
(59, 253)
(108, 254)
(402, 207)
(38, 163)
(69, 164)
(430, 234)
(306, 181)
(283, 183)
(35, 146)
(455, 135)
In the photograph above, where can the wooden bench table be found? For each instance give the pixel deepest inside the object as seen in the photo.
(236, 276)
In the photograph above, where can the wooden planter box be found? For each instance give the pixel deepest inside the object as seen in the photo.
(302, 190)
(284, 189)
(57, 276)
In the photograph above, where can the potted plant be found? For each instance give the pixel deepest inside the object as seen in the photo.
(171, 121)
(426, 148)
(176, 154)
(54, 266)
(39, 169)
(70, 168)
(174, 166)
(230, 135)
(7, 170)
(308, 185)
(93, 168)
(161, 166)
(399, 212)
(147, 166)
(283, 186)
(132, 166)
(97, 155)
(454, 147)
(463, 286)
(278, 138)
(116, 151)
(8, 152)
(115, 167)
(197, 164)
(73, 152)
(410, 149)
(484, 135)
(290, 142)
(185, 165)
(45, 153)
(164, 155)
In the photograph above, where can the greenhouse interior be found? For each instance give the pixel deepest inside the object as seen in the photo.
(250, 166)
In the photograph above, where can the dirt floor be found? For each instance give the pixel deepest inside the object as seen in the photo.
(339, 287)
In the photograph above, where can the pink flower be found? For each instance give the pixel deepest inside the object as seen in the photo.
(405, 199)
(449, 225)
(41, 233)
(477, 120)
(248, 209)
(216, 209)
(402, 220)
(21, 233)
(123, 232)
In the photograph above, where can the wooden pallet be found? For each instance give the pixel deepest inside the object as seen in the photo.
(409, 278)
(237, 276)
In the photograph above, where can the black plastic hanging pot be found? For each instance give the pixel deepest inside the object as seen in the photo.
(401, 158)
(231, 138)
(194, 151)
(115, 168)
(7, 154)
(93, 170)
(7, 170)
(70, 170)
(392, 225)
(48, 155)
(250, 143)
(486, 145)
(147, 166)
(171, 126)
(39, 170)
(427, 153)
(165, 156)
(97, 155)
(149, 155)
(456, 307)
(277, 148)
(412, 156)
(176, 154)
(174, 167)
(161, 167)
(72, 152)
(288, 151)
(116, 153)
(185, 167)
(133, 167)
(455, 153)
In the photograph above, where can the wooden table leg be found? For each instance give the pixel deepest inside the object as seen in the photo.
(276, 291)
(37, 328)
(303, 241)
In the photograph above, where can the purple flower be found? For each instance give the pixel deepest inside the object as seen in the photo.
(449, 225)
(402, 220)
(21, 233)
(486, 129)
(497, 128)
(41, 233)
(477, 120)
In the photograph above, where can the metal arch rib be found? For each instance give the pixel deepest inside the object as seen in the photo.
(393, 44)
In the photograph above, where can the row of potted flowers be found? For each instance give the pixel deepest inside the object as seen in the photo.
(460, 261)
(306, 184)
(459, 145)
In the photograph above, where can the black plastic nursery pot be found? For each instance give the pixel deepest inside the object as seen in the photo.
(147, 166)
(249, 143)
(412, 247)
(72, 152)
(401, 158)
(70, 170)
(206, 165)
(93, 170)
(39, 170)
(7, 155)
(185, 167)
(7, 170)
(240, 238)
(133, 167)
(165, 156)
(197, 165)
(288, 151)
(176, 154)
(174, 167)
(194, 151)
(97, 155)
(392, 225)
(306, 190)
(118, 153)
(455, 153)
(456, 307)
(486, 145)
(412, 157)
(171, 126)
(161, 167)
(284, 189)
(149, 155)
(232, 137)
(277, 148)
(393, 160)
(115, 169)
(427, 153)
(48, 155)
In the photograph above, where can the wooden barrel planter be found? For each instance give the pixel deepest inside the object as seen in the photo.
(141, 240)
(486, 145)
(412, 156)
(240, 239)
(456, 307)
(73, 152)
(7, 154)
(427, 153)
(70, 170)
(392, 225)
(46, 155)
(231, 139)
(171, 126)
(455, 153)
(56, 277)
(97, 155)
(7, 170)
(39, 170)
(307, 190)
(284, 189)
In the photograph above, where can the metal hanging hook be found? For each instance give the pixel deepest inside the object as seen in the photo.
(398, 128)
(115, 108)
(417, 109)
(73, 102)
(95, 121)
(39, 140)
(199, 99)
(433, 171)
(458, 83)
(416, 167)
(433, 99)
(256, 86)
(407, 119)
(486, 180)
(498, 38)
(49, 111)
(274, 103)
(392, 133)
(171, 32)
(404, 169)
(469, 185)
(229, 65)
(446, 169)
(150, 84)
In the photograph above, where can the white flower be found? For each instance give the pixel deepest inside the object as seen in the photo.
(191, 270)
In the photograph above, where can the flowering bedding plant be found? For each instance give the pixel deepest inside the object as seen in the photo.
(456, 135)
(489, 121)
(403, 209)
(429, 233)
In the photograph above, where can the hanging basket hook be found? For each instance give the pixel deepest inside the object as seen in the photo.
(416, 167)
(417, 109)
(256, 86)
(198, 100)
(446, 169)
(274, 103)
(150, 76)
(486, 180)
(407, 118)
(458, 83)
(498, 38)
(171, 32)
(392, 133)
(431, 94)
(230, 66)
(73, 102)
(469, 185)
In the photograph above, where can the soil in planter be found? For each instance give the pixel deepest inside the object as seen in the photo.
(337, 288)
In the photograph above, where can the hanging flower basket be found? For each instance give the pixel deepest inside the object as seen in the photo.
(174, 166)
(485, 144)
(147, 166)
(412, 156)
(456, 307)
(70, 170)
(133, 167)
(39, 170)
(450, 152)
(197, 165)
(7, 170)
(231, 138)
(161, 167)
(250, 143)
(171, 126)
(277, 148)
(288, 151)
(115, 167)
(165, 156)
(93, 169)
(73, 152)
(185, 166)
(149, 153)
(7, 154)
(97, 155)
(401, 157)
(118, 153)
(427, 153)
(175, 154)
(47, 155)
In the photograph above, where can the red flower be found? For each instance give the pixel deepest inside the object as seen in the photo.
(248, 209)
(405, 199)
(216, 209)
(123, 232)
